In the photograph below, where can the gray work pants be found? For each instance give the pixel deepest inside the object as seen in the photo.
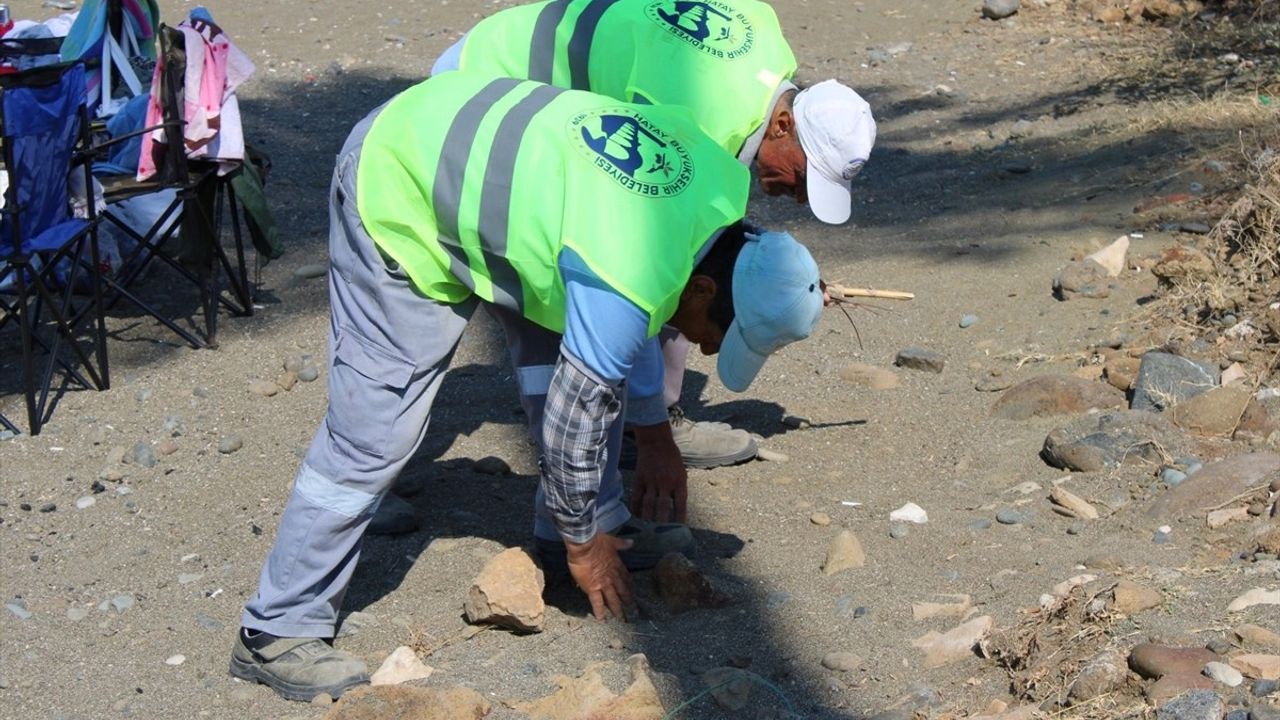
(389, 348)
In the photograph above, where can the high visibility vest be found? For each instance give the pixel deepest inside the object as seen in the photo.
(474, 185)
(722, 59)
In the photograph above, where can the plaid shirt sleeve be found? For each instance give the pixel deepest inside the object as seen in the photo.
(579, 411)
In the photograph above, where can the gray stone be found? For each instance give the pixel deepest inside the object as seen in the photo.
(980, 524)
(1172, 476)
(18, 607)
(915, 358)
(968, 321)
(1160, 538)
(1164, 380)
(1195, 705)
(1009, 516)
(999, 9)
(144, 394)
(86, 502)
(295, 363)
(122, 602)
(1114, 438)
(309, 373)
(1075, 528)
(230, 444)
(141, 454)
(841, 661)
(1262, 688)
(897, 531)
(1021, 129)
(200, 392)
(208, 623)
(1223, 673)
(311, 271)
(1270, 711)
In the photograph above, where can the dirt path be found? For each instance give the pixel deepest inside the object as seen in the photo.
(962, 204)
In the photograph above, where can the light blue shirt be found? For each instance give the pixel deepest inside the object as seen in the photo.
(608, 334)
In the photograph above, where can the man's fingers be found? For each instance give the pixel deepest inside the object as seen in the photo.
(662, 513)
(614, 602)
(597, 604)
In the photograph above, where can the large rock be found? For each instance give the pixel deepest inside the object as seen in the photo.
(1055, 395)
(1085, 278)
(587, 698)
(1215, 484)
(683, 587)
(508, 593)
(1213, 413)
(844, 553)
(1257, 666)
(1176, 685)
(1258, 636)
(1181, 265)
(1164, 380)
(1112, 257)
(1121, 371)
(1090, 444)
(398, 701)
(1195, 705)
(1155, 661)
(1101, 675)
(943, 648)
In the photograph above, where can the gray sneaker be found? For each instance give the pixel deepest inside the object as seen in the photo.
(708, 445)
(394, 516)
(296, 668)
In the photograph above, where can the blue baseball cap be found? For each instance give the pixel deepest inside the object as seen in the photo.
(777, 299)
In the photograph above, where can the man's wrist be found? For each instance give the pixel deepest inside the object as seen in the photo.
(654, 435)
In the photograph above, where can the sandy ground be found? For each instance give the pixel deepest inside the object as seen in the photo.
(936, 212)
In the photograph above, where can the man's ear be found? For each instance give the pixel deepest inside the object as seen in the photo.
(784, 123)
(700, 291)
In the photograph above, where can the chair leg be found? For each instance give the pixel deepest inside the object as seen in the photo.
(23, 310)
(100, 331)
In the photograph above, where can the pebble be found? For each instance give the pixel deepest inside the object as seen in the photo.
(914, 358)
(141, 454)
(230, 444)
(295, 363)
(208, 623)
(166, 447)
(1223, 673)
(1161, 538)
(968, 321)
(175, 660)
(19, 608)
(1009, 516)
(911, 513)
(188, 578)
(263, 388)
(311, 271)
(777, 599)
(309, 373)
(174, 426)
(1172, 476)
(999, 9)
(1229, 58)
(48, 507)
(841, 661)
(144, 394)
(124, 490)
(820, 519)
(76, 614)
(200, 392)
(1262, 688)
(980, 524)
(768, 455)
(86, 502)
(897, 531)
(1075, 528)
(122, 602)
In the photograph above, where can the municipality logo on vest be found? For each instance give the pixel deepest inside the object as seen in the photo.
(638, 155)
(713, 27)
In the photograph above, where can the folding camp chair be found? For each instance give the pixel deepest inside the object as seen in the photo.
(49, 266)
(187, 235)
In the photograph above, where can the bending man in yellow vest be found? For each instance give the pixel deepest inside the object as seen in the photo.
(728, 62)
(586, 225)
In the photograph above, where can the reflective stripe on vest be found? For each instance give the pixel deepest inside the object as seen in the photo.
(542, 49)
(495, 201)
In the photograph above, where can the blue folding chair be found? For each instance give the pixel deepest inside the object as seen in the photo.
(49, 266)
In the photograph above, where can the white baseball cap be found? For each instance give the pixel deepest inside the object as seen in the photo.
(777, 299)
(837, 132)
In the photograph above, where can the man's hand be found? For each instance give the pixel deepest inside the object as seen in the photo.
(661, 493)
(599, 571)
